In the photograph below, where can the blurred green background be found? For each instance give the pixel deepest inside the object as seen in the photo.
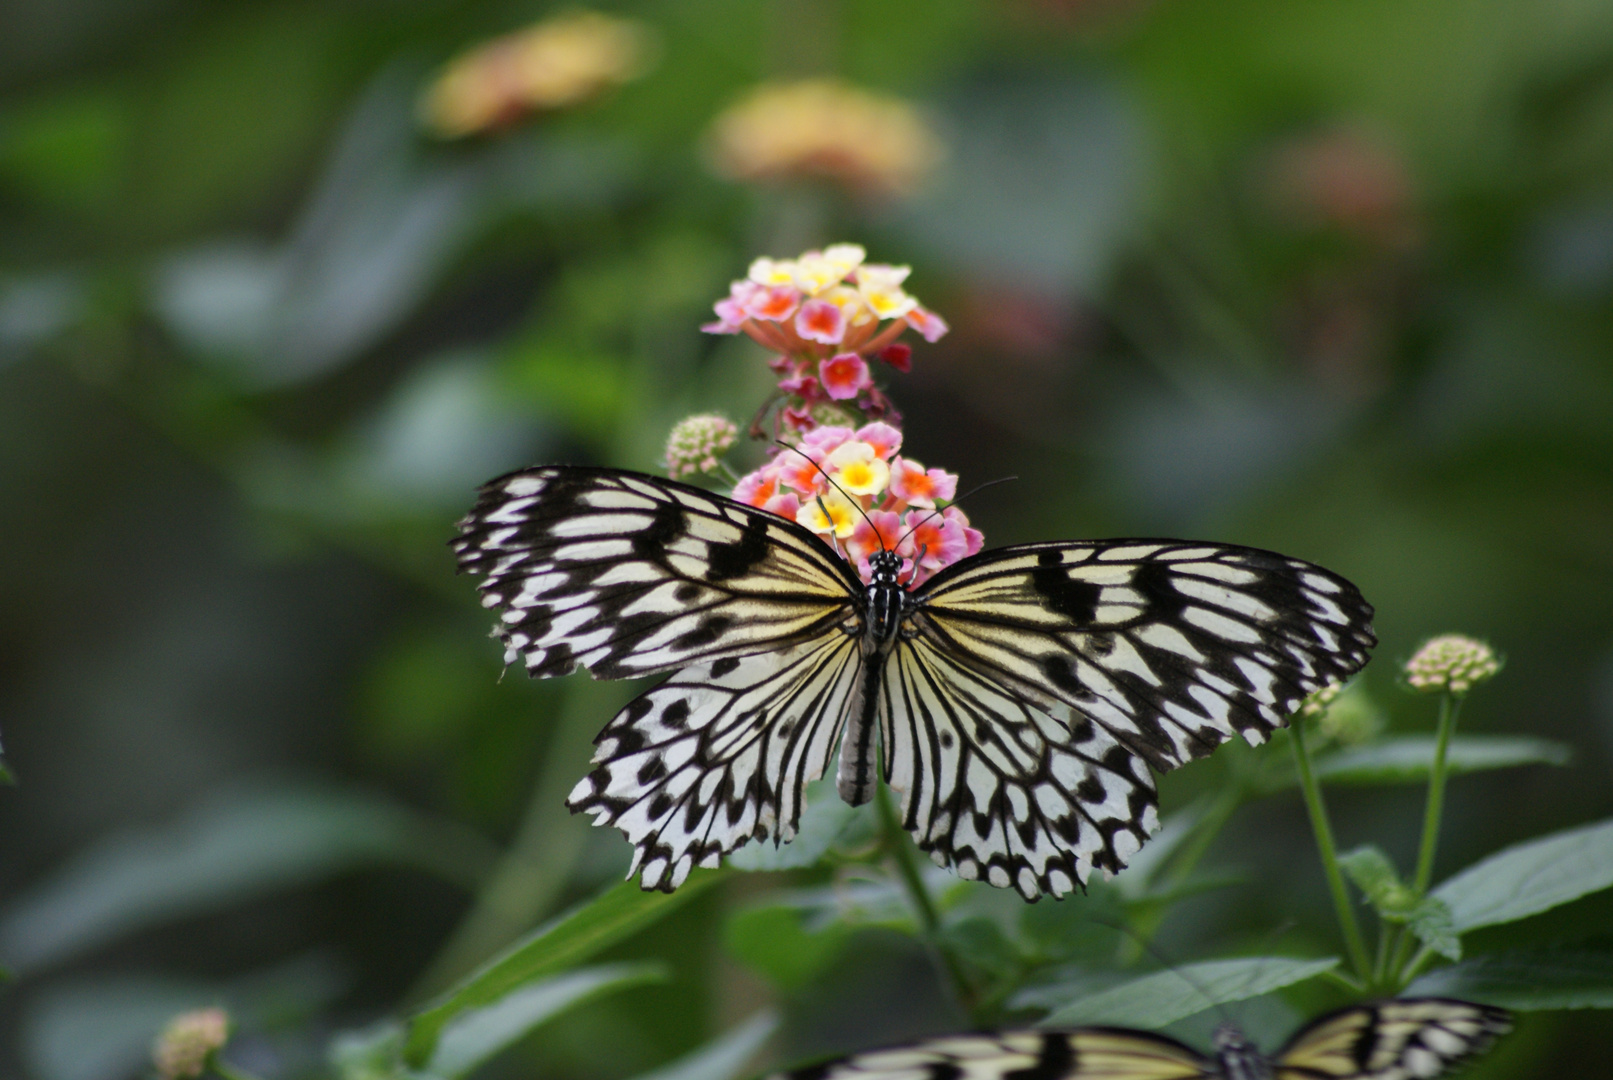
(1330, 278)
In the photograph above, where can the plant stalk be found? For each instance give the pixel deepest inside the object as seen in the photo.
(1449, 706)
(918, 893)
(1353, 942)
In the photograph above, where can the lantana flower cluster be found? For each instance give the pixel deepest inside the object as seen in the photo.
(837, 467)
(855, 489)
(823, 315)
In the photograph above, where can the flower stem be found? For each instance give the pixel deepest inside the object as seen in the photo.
(906, 865)
(1449, 706)
(1353, 942)
(907, 868)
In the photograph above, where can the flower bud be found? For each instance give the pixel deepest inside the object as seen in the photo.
(1452, 663)
(697, 443)
(182, 1050)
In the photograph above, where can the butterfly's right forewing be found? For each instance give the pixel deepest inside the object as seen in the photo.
(629, 575)
(1082, 1054)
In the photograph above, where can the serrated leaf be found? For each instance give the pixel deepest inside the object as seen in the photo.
(234, 846)
(1168, 996)
(1431, 921)
(1531, 877)
(726, 1056)
(824, 819)
(1409, 759)
(552, 948)
(1527, 979)
(477, 1034)
(1370, 869)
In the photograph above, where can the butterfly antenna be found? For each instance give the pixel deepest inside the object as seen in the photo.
(954, 502)
(824, 509)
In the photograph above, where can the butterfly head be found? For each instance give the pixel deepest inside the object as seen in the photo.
(886, 568)
(1240, 1059)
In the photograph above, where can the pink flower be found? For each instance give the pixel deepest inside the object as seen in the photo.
(885, 439)
(878, 532)
(914, 484)
(731, 309)
(757, 487)
(785, 505)
(822, 321)
(823, 441)
(844, 376)
(898, 356)
(974, 539)
(934, 542)
(804, 474)
(805, 386)
(927, 323)
(777, 302)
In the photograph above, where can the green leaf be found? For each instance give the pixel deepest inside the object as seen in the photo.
(824, 819)
(233, 847)
(775, 941)
(1137, 879)
(726, 1056)
(476, 1034)
(373, 1053)
(982, 943)
(1527, 979)
(1167, 996)
(555, 947)
(1409, 758)
(1531, 877)
(1432, 923)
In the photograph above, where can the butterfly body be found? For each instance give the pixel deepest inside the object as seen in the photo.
(1411, 1039)
(1016, 701)
(879, 622)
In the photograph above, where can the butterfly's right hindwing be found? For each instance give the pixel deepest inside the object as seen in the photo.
(629, 575)
(1409, 1039)
(720, 753)
(1002, 791)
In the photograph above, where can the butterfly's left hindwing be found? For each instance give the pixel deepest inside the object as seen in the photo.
(1172, 646)
(1084, 1054)
(628, 575)
(719, 754)
(1410, 1039)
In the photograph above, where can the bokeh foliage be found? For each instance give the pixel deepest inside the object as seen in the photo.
(1332, 279)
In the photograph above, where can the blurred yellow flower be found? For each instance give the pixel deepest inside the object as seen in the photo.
(871, 143)
(189, 1040)
(558, 62)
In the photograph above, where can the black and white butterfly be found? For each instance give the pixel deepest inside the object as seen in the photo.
(1016, 700)
(1413, 1039)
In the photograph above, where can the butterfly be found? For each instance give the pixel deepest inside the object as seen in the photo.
(1412, 1039)
(1016, 700)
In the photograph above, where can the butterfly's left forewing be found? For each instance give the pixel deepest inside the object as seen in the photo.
(1083, 1054)
(1412, 1039)
(1172, 646)
(631, 575)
